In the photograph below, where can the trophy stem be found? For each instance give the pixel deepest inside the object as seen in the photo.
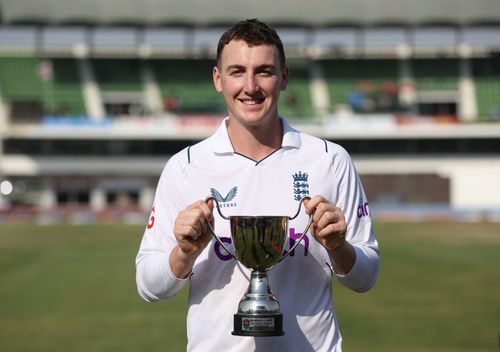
(259, 289)
(258, 311)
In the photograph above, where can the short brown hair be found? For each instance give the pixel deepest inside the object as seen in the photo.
(253, 32)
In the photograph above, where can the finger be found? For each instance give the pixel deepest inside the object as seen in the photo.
(313, 229)
(190, 223)
(319, 204)
(332, 230)
(201, 212)
(322, 209)
(208, 214)
(328, 217)
(206, 208)
(193, 223)
(190, 231)
(210, 204)
(311, 204)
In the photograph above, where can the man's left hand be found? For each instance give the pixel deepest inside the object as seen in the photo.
(328, 223)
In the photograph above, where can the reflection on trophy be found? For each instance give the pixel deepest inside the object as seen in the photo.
(259, 242)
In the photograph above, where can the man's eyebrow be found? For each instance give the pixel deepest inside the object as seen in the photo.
(266, 67)
(232, 67)
(260, 67)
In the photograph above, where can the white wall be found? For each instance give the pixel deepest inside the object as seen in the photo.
(473, 181)
(475, 186)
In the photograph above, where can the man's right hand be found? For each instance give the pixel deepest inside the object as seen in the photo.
(193, 234)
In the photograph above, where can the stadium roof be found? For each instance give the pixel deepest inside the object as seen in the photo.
(276, 12)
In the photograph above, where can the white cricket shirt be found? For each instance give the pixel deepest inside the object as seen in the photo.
(304, 165)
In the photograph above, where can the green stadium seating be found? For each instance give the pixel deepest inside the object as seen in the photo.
(115, 75)
(189, 83)
(19, 79)
(295, 101)
(67, 91)
(436, 74)
(488, 97)
(487, 81)
(59, 92)
(346, 76)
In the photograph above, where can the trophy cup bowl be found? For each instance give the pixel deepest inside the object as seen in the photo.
(259, 243)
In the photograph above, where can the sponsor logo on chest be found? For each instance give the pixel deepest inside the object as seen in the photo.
(228, 200)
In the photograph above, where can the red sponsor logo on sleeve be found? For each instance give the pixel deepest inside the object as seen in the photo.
(151, 219)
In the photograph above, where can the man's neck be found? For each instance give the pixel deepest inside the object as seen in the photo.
(256, 142)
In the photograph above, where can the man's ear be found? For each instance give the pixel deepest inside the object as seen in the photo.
(284, 78)
(217, 79)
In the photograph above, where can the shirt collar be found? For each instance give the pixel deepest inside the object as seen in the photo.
(222, 144)
(291, 137)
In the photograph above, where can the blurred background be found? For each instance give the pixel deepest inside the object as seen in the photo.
(96, 95)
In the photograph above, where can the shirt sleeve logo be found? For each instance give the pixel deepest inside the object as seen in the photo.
(363, 209)
(300, 185)
(151, 221)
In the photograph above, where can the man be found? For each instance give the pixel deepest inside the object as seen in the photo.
(258, 165)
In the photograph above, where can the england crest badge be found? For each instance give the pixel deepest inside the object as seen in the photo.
(300, 185)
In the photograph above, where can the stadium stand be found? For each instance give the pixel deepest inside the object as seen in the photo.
(187, 87)
(93, 100)
(20, 78)
(296, 100)
(118, 75)
(120, 85)
(487, 80)
(53, 85)
(360, 83)
(22, 86)
(436, 74)
(67, 90)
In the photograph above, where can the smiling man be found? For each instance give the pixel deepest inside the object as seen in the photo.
(251, 78)
(257, 164)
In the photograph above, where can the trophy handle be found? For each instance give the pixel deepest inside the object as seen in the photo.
(212, 229)
(303, 232)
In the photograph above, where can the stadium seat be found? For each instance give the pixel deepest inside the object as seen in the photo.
(20, 80)
(487, 81)
(67, 90)
(436, 74)
(118, 75)
(366, 77)
(296, 100)
(187, 87)
(54, 84)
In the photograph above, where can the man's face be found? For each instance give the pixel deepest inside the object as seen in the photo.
(251, 80)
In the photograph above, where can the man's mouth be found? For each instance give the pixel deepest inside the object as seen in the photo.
(251, 101)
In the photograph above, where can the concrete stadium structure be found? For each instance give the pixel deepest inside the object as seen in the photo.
(442, 148)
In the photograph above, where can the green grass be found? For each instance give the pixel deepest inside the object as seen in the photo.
(438, 290)
(72, 288)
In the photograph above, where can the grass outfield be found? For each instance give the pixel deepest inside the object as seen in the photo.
(72, 288)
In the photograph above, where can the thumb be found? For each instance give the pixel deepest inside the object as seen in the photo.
(307, 207)
(210, 204)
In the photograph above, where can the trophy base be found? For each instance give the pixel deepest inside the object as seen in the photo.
(258, 325)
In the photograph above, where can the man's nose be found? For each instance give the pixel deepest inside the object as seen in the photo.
(251, 84)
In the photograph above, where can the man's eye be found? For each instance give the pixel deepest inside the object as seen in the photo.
(266, 73)
(236, 73)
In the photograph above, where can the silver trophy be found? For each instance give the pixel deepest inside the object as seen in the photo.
(259, 242)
